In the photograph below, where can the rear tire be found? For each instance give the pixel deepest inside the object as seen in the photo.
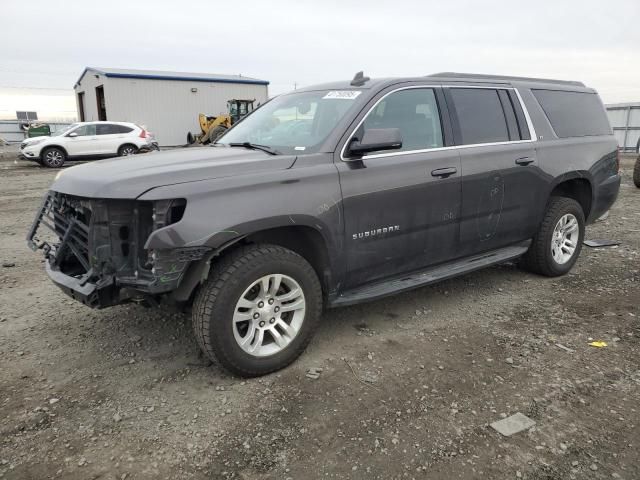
(127, 149)
(555, 249)
(636, 173)
(53, 157)
(258, 310)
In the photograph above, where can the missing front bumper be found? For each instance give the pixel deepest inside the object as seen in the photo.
(90, 294)
(94, 248)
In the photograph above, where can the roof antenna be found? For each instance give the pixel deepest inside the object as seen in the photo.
(359, 79)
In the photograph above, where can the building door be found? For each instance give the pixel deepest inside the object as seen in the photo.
(81, 106)
(102, 109)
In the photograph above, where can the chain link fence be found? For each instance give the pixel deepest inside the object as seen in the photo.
(14, 131)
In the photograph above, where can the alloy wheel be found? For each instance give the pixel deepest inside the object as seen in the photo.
(54, 158)
(565, 238)
(269, 315)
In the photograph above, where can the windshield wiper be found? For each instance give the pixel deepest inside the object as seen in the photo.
(255, 146)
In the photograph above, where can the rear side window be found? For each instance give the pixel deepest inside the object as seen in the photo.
(102, 129)
(111, 129)
(573, 114)
(481, 117)
(122, 129)
(415, 112)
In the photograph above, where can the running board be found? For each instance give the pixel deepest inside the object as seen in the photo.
(431, 275)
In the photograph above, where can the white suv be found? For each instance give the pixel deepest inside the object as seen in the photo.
(88, 139)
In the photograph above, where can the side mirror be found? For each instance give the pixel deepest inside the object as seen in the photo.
(376, 139)
(72, 135)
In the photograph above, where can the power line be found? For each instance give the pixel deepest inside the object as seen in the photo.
(38, 88)
(33, 72)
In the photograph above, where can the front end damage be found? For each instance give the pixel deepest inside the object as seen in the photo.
(95, 248)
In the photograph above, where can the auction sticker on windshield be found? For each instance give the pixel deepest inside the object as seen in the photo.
(343, 94)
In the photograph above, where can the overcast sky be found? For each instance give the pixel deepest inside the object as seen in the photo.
(46, 44)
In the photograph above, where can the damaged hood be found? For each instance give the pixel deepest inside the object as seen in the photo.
(129, 177)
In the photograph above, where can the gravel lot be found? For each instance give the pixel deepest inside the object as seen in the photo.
(408, 387)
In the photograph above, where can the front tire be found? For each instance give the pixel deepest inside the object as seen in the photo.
(53, 157)
(215, 133)
(636, 173)
(258, 310)
(557, 245)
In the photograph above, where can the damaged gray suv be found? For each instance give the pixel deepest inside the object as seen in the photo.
(333, 195)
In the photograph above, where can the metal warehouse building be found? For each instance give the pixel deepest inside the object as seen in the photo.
(166, 103)
(625, 120)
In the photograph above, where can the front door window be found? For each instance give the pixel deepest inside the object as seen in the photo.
(415, 112)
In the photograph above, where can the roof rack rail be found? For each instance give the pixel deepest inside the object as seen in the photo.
(502, 77)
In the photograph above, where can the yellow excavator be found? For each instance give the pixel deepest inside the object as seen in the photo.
(212, 128)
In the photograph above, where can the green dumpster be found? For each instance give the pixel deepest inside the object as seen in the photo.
(38, 130)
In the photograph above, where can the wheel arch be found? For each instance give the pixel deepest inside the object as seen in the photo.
(124, 145)
(305, 240)
(576, 186)
(55, 145)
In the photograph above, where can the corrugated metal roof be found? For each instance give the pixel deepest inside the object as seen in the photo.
(163, 75)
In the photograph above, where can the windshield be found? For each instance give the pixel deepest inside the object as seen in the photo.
(295, 123)
(64, 130)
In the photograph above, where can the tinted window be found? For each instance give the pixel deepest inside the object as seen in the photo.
(85, 130)
(414, 112)
(122, 129)
(102, 129)
(510, 115)
(523, 128)
(110, 129)
(573, 114)
(480, 115)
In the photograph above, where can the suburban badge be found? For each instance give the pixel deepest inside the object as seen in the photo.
(376, 232)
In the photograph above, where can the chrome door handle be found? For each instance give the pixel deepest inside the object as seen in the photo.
(524, 161)
(444, 172)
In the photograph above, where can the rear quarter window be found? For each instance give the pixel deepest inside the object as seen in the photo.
(573, 114)
(121, 129)
(112, 129)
